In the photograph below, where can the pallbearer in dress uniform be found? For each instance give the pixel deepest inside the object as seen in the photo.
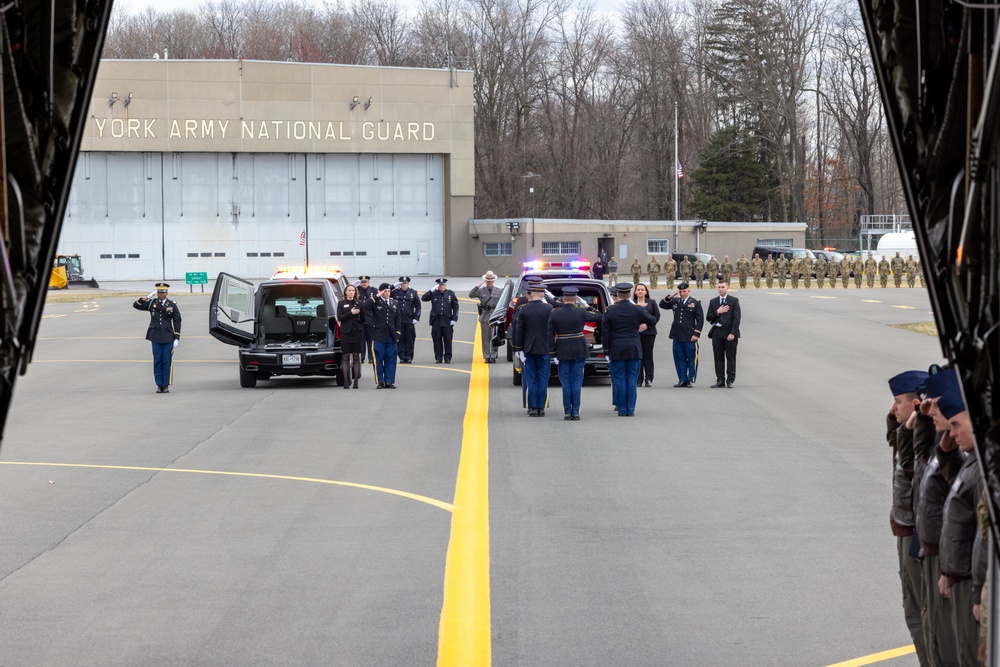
(444, 315)
(383, 314)
(164, 332)
(365, 293)
(531, 345)
(408, 302)
(567, 343)
(620, 333)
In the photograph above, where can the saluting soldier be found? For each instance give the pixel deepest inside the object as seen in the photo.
(911, 272)
(845, 271)
(567, 343)
(871, 268)
(488, 295)
(443, 317)
(795, 268)
(727, 269)
(781, 268)
(898, 267)
(408, 302)
(163, 332)
(743, 269)
(366, 291)
(636, 270)
(699, 272)
(653, 269)
(883, 272)
(757, 268)
(712, 269)
(669, 270)
(531, 345)
(769, 271)
(685, 331)
(382, 311)
(820, 268)
(806, 266)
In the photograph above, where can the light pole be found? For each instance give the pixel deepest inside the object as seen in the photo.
(531, 176)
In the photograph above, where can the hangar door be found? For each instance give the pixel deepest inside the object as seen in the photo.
(139, 216)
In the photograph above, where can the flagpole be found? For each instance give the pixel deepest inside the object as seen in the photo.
(677, 181)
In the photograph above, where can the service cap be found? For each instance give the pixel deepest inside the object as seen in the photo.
(364, 279)
(441, 281)
(623, 288)
(951, 403)
(570, 291)
(384, 286)
(537, 287)
(906, 382)
(940, 383)
(404, 279)
(162, 287)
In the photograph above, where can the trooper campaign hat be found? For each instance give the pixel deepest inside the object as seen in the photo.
(489, 275)
(907, 382)
(162, 287)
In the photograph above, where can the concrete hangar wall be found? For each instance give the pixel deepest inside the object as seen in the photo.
(215, 166)
(503, 248)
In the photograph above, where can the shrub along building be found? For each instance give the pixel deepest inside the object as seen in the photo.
(245, 166)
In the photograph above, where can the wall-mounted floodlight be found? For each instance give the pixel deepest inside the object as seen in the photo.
(127, 101)
(112, 99)
(354, 102)
(368, 103)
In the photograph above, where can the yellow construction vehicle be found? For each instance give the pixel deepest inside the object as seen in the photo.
(68, 270)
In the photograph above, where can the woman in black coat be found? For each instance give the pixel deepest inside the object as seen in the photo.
(648, 337)
(351, 316)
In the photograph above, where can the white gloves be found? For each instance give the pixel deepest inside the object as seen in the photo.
(555, 361)
(176, 343)
(151, 295)
(520, 356)
(415, 321)
(453, 323)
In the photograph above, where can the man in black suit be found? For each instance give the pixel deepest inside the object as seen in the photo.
(531, 345)
(724, 316)
(620, 334)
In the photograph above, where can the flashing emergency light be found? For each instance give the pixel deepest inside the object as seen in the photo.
(534, 264)
(580, 264)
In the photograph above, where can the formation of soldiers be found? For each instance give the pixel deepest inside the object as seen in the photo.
(939, 518)
(781, 271)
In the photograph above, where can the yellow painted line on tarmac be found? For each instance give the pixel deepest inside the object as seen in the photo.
(463, 342)
(870, 301)
(905, 307)
(381, 489)
(823, 297)
(52, 317)
(437, 367)
(876, 657)
(464, 633)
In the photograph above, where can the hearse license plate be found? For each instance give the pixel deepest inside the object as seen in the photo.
(291, 360)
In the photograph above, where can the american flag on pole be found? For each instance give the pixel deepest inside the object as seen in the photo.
(680, 171)
(302, 237)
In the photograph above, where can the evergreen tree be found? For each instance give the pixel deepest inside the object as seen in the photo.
(731, 182)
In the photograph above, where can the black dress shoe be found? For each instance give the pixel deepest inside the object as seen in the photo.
(390, 386)
(447, 360)
(576, 418)
(380, 386)
(679, 384)
(159, 389)
(718, 384)
(541, 412)
(437, 361)
(729, 385)
(166, 389)
(649, 383)
(568, 417)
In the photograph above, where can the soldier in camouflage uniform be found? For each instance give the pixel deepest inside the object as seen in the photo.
(795, 267)
(920, 274)
(898, 266)
(636, 271)
(743, 269)
(820, 267)
(806, 266)
(845, 271)
(769, 271)
(713, 271)
(911, 272)
(858, 266)
(832, 269)
(653, 269)
(757, 269)
(699, 272)
(686, 269)
(871, 268)
(727, 270)
(669, 272)
(883, 272)
(781, 267)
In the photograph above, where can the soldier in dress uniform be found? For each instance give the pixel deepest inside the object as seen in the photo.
(488, 294)
(898, 266)
(727, 269)
(383, 313)
(366, 291)
(769, 271)
(164, 332)
(756, 269)
(685, 331)
(567, 343)
(636, 270)
(623, 321)
(883, 272)
(820, 267)
(531, 346)
(444, 315)
(781, 268)
(653, 269)
(699, 273)
(408, 303)
(712, 268)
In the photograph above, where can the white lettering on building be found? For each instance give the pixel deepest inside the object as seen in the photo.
(266, 130)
